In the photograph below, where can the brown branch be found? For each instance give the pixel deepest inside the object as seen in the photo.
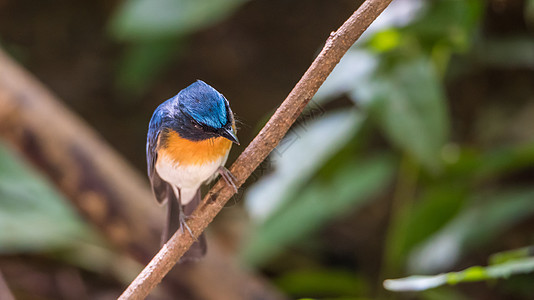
(336, 46)
(105, 189)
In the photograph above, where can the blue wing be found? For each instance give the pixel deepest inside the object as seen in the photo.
(159, 187)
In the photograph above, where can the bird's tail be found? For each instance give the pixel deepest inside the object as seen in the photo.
(174, 215)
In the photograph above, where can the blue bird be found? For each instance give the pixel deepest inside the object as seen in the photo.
(189, 138)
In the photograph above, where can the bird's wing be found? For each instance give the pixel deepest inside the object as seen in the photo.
(159, 187)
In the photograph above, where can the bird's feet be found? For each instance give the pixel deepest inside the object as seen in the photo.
(228, 177)
(184, 226)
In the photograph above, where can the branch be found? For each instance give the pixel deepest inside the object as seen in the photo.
(336, 46)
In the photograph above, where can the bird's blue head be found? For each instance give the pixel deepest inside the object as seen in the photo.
(204, 104)
(199, 112)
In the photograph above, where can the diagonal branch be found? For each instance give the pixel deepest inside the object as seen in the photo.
(336, 46)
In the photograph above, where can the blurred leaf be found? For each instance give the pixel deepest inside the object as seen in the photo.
(415, 283)
(503, 161)
(33, 216)
(447, 27)
(506, 256)
(385, 40)
(292, 168)
(156, 29)
(353, 69)
(477, 273)
(142, 62)
(434, 209)
(409, 104)
(470, 165)
(476, 225)
(449, 23)
(321, 201)
(156, 19)
(322, 283)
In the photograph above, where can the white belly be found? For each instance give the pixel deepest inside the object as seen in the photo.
(187, 178)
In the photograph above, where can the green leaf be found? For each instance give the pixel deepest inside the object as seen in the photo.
(476, 273)
(476, 225)
(321, 201)
(433, 210)
(408, 102)
(33, 216)
(156, 19)
(298, 157)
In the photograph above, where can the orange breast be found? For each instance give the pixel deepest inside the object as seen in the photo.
(187, 152)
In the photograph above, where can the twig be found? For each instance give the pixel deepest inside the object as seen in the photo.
(336, 46)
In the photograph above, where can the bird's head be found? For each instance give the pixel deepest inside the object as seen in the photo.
(206, 113)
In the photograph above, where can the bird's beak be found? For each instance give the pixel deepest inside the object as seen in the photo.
(229, 133)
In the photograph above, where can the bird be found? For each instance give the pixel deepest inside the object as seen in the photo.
(188, 141)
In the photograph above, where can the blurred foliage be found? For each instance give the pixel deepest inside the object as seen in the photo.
(142, 20)
(292, 169)
(33, 215)
(155, 30)
(307, 211)
(447, 200)
(36, 218)
(345, 187)
(406, 100)
(476, 224)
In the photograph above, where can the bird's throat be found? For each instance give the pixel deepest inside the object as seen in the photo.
(186, 152)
